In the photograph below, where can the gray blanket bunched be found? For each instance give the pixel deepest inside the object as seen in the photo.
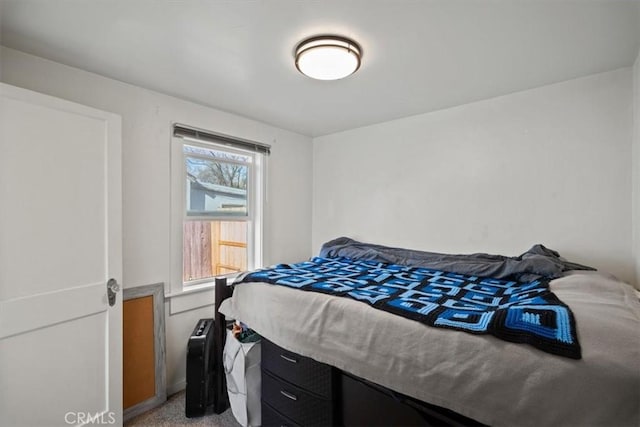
(538, 262)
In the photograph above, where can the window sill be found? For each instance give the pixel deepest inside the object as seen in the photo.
(194, 296)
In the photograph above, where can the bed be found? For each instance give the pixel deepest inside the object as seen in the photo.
(482, 378)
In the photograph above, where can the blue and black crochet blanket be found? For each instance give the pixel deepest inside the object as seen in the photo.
(513, 311)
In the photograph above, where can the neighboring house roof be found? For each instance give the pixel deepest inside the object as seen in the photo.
(214, 190)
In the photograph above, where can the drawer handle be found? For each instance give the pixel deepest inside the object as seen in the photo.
(289, 359)
(288, 395)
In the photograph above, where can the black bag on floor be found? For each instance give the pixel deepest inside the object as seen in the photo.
(200, 395)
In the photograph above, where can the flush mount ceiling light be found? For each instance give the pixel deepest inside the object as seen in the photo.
(328, 57)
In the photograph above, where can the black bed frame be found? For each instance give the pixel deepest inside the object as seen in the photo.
(358, 402)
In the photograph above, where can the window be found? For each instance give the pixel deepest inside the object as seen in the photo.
(216, 206)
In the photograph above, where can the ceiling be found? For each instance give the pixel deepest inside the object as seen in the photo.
(419, 56)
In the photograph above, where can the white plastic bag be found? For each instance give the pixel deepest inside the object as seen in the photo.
(244, 380)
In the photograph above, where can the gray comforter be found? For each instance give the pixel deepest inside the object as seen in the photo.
(538, 262)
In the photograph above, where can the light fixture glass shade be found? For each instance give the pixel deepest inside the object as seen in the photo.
(328, 57)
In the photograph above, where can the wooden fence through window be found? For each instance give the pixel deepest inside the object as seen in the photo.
(212, 248)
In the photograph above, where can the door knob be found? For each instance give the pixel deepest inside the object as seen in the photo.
(112, 290)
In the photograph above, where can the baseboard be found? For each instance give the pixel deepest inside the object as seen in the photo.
(177, 387)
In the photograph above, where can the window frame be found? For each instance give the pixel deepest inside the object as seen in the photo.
(254, 217)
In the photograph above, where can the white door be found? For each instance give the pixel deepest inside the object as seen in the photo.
(60, 242)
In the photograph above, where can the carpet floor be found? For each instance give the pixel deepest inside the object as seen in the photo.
(171, 413)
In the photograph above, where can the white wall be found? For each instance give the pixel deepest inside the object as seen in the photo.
(146, 118)
(636, 168)
(549, 165)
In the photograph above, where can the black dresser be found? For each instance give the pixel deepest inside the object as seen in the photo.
(296, 390)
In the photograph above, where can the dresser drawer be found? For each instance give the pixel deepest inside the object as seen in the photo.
(272, 418)
(295, 403)
(302, 371)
